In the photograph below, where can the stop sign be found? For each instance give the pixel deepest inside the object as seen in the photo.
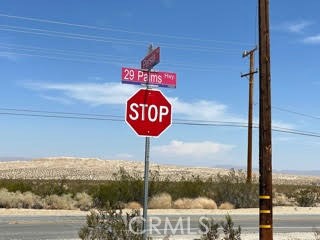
(148, 112)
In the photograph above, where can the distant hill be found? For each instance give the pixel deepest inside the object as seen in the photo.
(99, 169)
(10, 159)
(291, 172)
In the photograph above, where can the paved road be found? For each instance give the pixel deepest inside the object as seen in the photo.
(67, 227)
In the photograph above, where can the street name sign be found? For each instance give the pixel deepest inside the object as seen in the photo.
(152, 59)
(138, 76)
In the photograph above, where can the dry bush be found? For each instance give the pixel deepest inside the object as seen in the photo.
(197, 203)
(161, 201)
(133, 205)
(83, 201)
(281, 199)
(204, 203)
(183, 203)
(226, 206)
(5, 198)
(19, 200)
(30, 200)
(59, 202)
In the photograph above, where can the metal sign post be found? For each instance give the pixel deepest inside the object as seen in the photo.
(146, 163)
(146, 177)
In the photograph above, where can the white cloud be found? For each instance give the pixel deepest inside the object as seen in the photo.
(192, 149)
(57, 99)
(280, 124)
(298, 27)
(312, 39)
(116, 93)
(124, 156)
(90, 93)
(201, 109)
(293, 27)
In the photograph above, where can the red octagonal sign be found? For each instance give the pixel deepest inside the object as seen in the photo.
(148, 112)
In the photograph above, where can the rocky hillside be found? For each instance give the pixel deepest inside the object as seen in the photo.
(98, 169)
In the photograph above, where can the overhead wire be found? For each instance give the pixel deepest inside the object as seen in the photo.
(41, 20)
(117, 118)
(295, 112)
(59, 34)
(94, 58)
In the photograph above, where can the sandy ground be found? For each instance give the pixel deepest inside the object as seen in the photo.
(242, 211)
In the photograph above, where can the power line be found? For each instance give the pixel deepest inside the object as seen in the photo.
(49, 33)
(95, 58)
(296, 113)
(41, 20)
(293, 112)
(117, 118)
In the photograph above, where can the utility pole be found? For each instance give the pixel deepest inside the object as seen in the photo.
(265, 145)
(251, 81)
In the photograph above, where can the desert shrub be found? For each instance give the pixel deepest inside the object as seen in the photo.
(197, 203)
(204, 203)
(229, 230)
(133, 205)
(281, 199)
(5, 198)
(124, 188)
(83, 201)
(19, 200)
(210, 229)
(112, 224)
(14, 185)
(306, 197)
(160, 201)
(182, 203)
(30, 200)
(234, 188)
(226, 206)
(59, 202)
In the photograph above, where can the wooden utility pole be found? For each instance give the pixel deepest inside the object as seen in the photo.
(251, 81)
(265, 145)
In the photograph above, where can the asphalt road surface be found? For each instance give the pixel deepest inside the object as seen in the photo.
(67, 227)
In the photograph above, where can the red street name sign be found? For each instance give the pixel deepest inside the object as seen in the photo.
(137, 76)
(148, 112)
(152, 59)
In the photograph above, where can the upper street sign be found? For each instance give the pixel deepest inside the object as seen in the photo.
(137, 76)
(152, 59)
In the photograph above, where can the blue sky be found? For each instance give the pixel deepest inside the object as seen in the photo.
(59, 56)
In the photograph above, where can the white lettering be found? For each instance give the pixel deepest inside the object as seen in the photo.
(205, 228)
(167, 224)
(143, 106)
(169, 76)
(140, 75)
(133, 107)
(155, 115)
(155, 225)
(163, 112)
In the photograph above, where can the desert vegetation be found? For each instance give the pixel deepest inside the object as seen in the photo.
(224, 191)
